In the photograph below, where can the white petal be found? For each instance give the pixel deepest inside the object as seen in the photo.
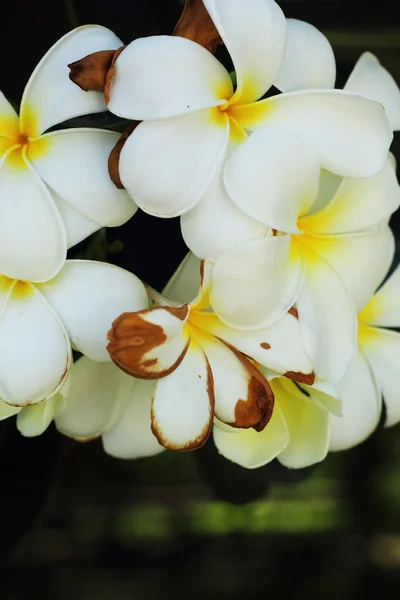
(347, 253)
(327, 319)
(34, 420)
(357, 204)
(384, 308)
(309, 61)
(162, 76)
(351, 134)
(216, 224)
(184, 284)
(273, 177)
(88, 296)
(256, 283)
(255, 35)
(250, 448)
(371, 79)
(278, 347)
(77, 226)
(7, 411)
(33, 242)
(131, 435)
(75, 167)
(32, 342)
(382, 349)
(50, 97)
(97, 395)
(361, 407)
(9, 122)
(308, 426)
(151, 343)
(166, 166)
(183, 404)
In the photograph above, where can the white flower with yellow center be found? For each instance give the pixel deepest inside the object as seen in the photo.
(40, 321)
(54, 187)
(203, 366)
(190, 109)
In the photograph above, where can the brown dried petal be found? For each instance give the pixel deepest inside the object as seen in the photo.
(195, 24)
(89, 73)
(113, 159)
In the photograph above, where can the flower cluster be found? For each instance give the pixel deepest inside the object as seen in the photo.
(272, 333)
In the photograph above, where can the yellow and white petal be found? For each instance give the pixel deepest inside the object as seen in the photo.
(249, 448)
(9, 122)
(183, 405)
(162, 76)
(309, 61)
(166, 166)
(7, 411)
(255, 35)
(33, 243)
(96, 397)
(243, 397)
(350, 133)
(273, 177)
(150, 344)
(278, 347)
(216, 224)
(32, 342)
(347, 253)
(130, 436)
(382, 349)
(50, 97)
(361, 406)
(184, 285)
(88, 296)
(327, 319)
(357, 204)
(75, 167)
(384, 307)
(308, 427)
(256, 283)
(371, 79)
(34, 420)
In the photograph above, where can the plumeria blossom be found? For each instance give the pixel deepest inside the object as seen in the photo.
(203, 366)
(191, 110)
(54, 186)
(298, 434)
(40, 321)
(374, 372)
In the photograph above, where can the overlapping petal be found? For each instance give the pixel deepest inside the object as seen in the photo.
(384, 307)
(34, 420)
(273, 177)
(162, 76)
(254, 34)
(9, 124)
(50, 97)
(77, 226)
(371, 79)
(75, 167)
(164, 173)
(256, 283)
(309, 62)
(7, 411)
(183, 287)
(88, 296)
(351, 134)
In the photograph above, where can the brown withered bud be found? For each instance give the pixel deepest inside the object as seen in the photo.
(89, 73)
(113, 159)
(110, 73)
(195, 24)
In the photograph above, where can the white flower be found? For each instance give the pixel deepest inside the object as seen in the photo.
(203, 366)
(190, 110)
(40, 321)
(54, 187)
(297, 435)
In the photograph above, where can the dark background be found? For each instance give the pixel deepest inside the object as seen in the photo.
(77, 524)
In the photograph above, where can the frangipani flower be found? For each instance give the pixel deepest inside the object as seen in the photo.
(190, 109)
(203, 366)
(297, 435)
(39, 321)
(54, 187)
(374, 372)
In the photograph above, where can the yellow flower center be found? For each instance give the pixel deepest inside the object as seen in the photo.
(19, 139)
(18, 289)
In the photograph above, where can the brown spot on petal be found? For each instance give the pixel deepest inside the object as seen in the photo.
(89, 73)
(180, 312)
(265, 345)
(132, 337)
(196, 24)
(113, 159)
(294, 312)
(307, 378)
(202, 263)
(110, 73)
